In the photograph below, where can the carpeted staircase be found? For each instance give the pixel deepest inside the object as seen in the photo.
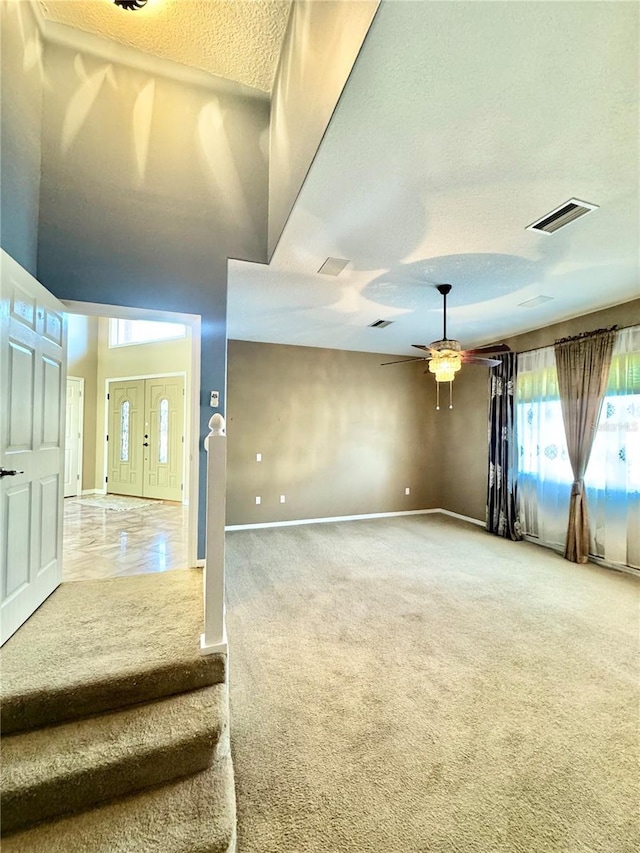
(114, 728)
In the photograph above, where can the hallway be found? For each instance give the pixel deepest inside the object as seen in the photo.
(113, 536)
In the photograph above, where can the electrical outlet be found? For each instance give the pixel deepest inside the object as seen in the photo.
(258, 499)
(407, 491)
(258, 457)
(281, 499)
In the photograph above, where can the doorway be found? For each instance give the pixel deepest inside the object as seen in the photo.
(166, 482)
(146, 437)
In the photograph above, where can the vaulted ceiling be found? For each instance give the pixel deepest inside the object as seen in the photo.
(460, 124)
(239, 40)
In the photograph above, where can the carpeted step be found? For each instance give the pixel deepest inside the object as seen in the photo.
(70, 767)
(192, 815)
(98, 645)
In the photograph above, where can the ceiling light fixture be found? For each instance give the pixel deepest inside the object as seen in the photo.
(446, 356)
(131, 4)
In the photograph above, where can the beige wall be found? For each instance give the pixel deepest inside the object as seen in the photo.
(82, 361)
(339, 435)
(465, 454)
(462, 438)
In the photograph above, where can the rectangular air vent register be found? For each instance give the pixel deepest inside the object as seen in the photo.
(561, 216)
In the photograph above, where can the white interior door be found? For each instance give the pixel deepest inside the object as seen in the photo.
(73, 438)
(32, 414)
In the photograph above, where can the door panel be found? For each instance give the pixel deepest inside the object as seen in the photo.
(126, 413)
(164, 414)
(20, 396)
(32, 388)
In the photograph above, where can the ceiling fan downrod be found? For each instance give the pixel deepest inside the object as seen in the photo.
(444, 289)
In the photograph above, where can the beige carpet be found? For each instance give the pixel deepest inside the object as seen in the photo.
(97, 645)
(415, 685)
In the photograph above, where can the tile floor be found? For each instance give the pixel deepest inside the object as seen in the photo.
(111, 535)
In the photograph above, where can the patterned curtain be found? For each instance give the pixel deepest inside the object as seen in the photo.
(502, 499)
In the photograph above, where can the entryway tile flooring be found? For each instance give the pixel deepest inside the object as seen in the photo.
(109, 536)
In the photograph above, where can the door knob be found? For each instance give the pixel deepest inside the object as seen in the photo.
(145, 444)
(5, 472)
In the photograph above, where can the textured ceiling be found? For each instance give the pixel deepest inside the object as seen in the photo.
(239, 40)
(462, 123)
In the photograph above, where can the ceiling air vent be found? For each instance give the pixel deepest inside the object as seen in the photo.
(533, 303)
(333, 266)
(380, 324)
(561, 216)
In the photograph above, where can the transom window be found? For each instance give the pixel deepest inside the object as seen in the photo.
(123, 333)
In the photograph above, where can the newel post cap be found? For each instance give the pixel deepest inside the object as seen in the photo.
(217, 429)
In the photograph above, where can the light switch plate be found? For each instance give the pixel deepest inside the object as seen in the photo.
(214, 401)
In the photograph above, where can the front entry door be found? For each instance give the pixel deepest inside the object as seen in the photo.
(146, 418)
(32, 413)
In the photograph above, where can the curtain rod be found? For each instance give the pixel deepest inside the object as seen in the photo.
(583, 336)
(544, 346)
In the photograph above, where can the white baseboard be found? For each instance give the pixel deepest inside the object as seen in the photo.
(462, 517)
(232, 527)
(91, 492)
(199, 564)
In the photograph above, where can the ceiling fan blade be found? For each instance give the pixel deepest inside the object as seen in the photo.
(474, 359)
(418, 358)
(422, 346)
(490, 348)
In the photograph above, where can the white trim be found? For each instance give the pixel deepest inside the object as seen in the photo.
(200, 563)
(597, 561)
(463, 517)
(232, 527)
(85, 492)
(192, 453)
(216, 648)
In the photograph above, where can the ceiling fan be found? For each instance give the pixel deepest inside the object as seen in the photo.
(446, 356)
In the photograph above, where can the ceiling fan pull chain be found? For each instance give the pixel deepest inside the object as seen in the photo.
(451, 395)
(437, 395)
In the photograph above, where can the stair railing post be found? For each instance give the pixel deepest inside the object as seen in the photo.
(214, 638)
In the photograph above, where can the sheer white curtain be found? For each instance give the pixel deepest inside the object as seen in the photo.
(544, 470)
(613, 476)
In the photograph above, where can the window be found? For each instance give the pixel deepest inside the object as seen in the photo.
(163, 455)
(612, 479)
(124, 431)
(124, 333)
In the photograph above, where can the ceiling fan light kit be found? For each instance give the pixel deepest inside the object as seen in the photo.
(446, 356)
